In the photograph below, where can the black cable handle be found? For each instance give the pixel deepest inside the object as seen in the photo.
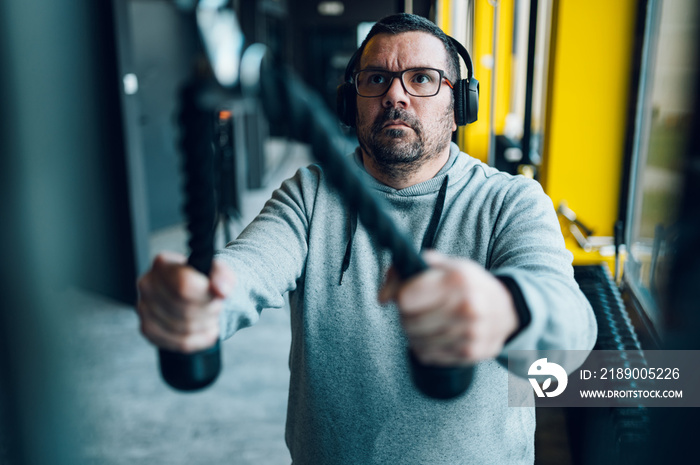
(194, 371)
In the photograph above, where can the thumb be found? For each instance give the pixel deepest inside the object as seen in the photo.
(436, 259)
(390, 287)
(222, 279)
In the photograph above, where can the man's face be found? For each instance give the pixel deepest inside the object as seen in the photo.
(397, 130)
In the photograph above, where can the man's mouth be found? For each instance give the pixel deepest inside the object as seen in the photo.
(395, 124)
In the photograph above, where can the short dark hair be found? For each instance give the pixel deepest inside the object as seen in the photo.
(405, 22)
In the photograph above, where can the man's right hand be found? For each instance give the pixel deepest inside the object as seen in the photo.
(179, 307)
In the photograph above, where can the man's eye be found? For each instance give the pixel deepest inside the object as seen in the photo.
(421, 78)
(376, 79)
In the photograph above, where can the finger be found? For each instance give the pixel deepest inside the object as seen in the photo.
(144, 286)
(452, 335)
(162, 263)
(186, 320)
(160, 328)
(222, 279)
(178, 343)
(426, 324)
(445, 339)
(153, 326)
(169, 257)
(180, 282)
(173, 302)
(390, 287)
(481, 350)
(154, 304)
(393, 284)
(423, 292)
(435, 259)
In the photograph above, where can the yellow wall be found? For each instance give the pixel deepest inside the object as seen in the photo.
(586, 114)
(474, 138)
(587, 98)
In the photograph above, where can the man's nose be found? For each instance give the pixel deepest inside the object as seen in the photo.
(396, 95)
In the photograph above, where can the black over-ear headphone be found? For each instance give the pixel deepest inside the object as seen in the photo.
(466, 92)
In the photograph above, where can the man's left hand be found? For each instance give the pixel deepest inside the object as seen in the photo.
(455, 313)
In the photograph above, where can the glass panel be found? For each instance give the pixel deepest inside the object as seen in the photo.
(666, 97)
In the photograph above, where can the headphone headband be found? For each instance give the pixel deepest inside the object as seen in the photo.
(462, 51)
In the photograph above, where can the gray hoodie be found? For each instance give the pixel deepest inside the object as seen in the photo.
(351, 400)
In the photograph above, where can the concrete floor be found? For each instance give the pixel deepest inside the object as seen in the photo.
(128, 416)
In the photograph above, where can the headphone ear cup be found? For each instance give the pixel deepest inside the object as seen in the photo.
(461, 104)
(346, 104)
(472, 101)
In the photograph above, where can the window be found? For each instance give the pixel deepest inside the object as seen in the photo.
(665, 106)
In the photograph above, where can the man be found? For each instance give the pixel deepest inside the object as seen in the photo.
(499, 279)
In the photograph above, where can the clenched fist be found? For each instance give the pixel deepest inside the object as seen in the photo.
(179, 307)
(455, 313)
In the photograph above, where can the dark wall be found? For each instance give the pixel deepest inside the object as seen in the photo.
(160, 48)
(62, 137)
(324, 44)
(64, 204)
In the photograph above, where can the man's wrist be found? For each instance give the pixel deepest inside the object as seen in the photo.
(521, 309)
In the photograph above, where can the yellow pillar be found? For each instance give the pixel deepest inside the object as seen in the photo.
(589, 77)
(474, 139)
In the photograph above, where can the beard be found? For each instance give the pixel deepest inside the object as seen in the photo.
(398, 152)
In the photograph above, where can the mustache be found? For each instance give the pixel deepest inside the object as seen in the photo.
(397, 114)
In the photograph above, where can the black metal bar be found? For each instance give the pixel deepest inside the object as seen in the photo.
(633, 107)
(529, 82)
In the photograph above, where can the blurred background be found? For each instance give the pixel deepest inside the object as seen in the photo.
(597, 100)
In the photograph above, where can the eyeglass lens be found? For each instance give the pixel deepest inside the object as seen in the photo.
(421, 82)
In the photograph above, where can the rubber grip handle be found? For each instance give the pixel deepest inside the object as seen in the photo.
(437, 382)
(440, 382)
(197, 370)
(190, 372)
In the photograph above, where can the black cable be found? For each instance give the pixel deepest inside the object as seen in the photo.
(529, 77)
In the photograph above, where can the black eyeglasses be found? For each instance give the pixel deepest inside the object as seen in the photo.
(419, 82)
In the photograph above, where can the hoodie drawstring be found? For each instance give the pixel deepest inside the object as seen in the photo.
(428, 238)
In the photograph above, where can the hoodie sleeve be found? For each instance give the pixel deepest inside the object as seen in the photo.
(269, 256)
(528, 247)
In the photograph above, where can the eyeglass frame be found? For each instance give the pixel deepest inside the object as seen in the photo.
(399, 74)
